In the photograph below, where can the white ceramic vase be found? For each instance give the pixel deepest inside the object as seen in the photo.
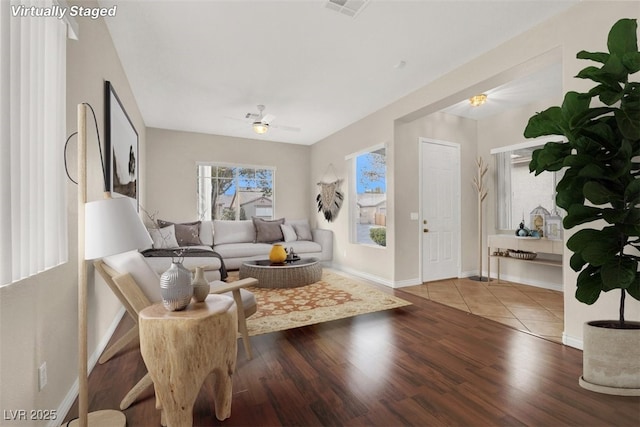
(175, 287)
(200, 285)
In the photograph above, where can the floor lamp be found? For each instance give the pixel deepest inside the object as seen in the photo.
(105, 227)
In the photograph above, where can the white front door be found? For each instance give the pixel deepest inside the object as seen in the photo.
(440, 209)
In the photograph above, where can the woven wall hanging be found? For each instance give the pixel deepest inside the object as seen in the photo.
(330, 197)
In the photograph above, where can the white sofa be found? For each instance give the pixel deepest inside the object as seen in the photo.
(236, 242)
(199, 255)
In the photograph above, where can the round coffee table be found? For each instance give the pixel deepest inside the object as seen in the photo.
(292, 274)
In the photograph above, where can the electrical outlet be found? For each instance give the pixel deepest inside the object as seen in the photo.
(42, 376)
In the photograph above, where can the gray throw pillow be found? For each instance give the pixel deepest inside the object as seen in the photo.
(187, 233)
(303, 231)
(268, 231)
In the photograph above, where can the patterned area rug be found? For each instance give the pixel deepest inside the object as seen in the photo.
(334, 297)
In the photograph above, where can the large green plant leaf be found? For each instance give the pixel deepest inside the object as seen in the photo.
(597, 247)
(576, 262)
(634, 289)
(580, 214)
(577, 160)
(549, 158)
(593, 171)
(569, 190)
(614, 70)
(628, 116)
(631, 61)
(574, 106)
(611, 90)
(599, 166)
(600, 57)
(622, 37)
(599, 194)
(618, 273)
(589, 285)
(593, 113)
(632, 192)
(617, 216)
(547, 122)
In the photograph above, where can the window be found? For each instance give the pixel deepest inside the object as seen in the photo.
(369, 197)
(518, 190)
(33, 200)
(234, 192)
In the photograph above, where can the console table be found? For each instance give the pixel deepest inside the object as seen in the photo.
(529, 244)
(181, 348)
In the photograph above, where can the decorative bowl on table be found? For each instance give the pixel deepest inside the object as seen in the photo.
(522, 254)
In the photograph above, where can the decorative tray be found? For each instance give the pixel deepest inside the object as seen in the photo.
(522, 254)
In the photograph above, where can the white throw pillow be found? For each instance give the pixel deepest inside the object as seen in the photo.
(289, 233)
(164, 238)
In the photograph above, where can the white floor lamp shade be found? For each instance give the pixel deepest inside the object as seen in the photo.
(112, 226)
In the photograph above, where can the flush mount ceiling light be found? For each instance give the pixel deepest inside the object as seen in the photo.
(260, 127)
(478, 100)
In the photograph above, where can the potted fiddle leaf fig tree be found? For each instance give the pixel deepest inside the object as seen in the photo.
(601, 187)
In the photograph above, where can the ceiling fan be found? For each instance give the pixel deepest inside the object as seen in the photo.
(262, 122)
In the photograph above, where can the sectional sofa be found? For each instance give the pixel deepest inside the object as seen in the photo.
(222, 245)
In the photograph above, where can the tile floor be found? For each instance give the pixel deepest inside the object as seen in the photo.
(528, 308)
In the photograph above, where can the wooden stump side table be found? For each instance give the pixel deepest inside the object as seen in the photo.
(181, 348)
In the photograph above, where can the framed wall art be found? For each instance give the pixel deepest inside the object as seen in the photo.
(121, 147)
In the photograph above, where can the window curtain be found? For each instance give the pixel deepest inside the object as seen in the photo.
(503, 190)
(33, 201)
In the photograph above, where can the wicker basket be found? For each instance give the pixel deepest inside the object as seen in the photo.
(522, 254)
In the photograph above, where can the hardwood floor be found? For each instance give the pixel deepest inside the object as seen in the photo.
(421, 365)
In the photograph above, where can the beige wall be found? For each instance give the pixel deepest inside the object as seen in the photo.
(171, 176)
(444, 127)
(584, 26)
(595, 21)
(374, 262)
(499, 131)
(38, 316)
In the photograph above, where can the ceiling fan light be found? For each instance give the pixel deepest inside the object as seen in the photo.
(260, 128)
(478, 100)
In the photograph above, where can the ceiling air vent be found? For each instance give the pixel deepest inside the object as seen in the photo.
(347, 7)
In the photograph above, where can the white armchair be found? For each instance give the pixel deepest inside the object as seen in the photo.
(137, 286)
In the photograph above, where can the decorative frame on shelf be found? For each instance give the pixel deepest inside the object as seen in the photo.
(121, 147)
(553, 225)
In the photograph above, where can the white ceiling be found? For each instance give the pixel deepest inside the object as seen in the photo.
(539, 85)
(202, 65)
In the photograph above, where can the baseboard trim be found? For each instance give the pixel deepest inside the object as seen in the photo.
(361, 275)
(572, 341)
(407, 282)
(526, 281)
(377, 279)
(463, 274)
(72, 394)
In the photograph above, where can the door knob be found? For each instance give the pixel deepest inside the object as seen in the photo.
(426, 230)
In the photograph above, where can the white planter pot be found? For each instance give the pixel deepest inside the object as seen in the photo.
(611, 359)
